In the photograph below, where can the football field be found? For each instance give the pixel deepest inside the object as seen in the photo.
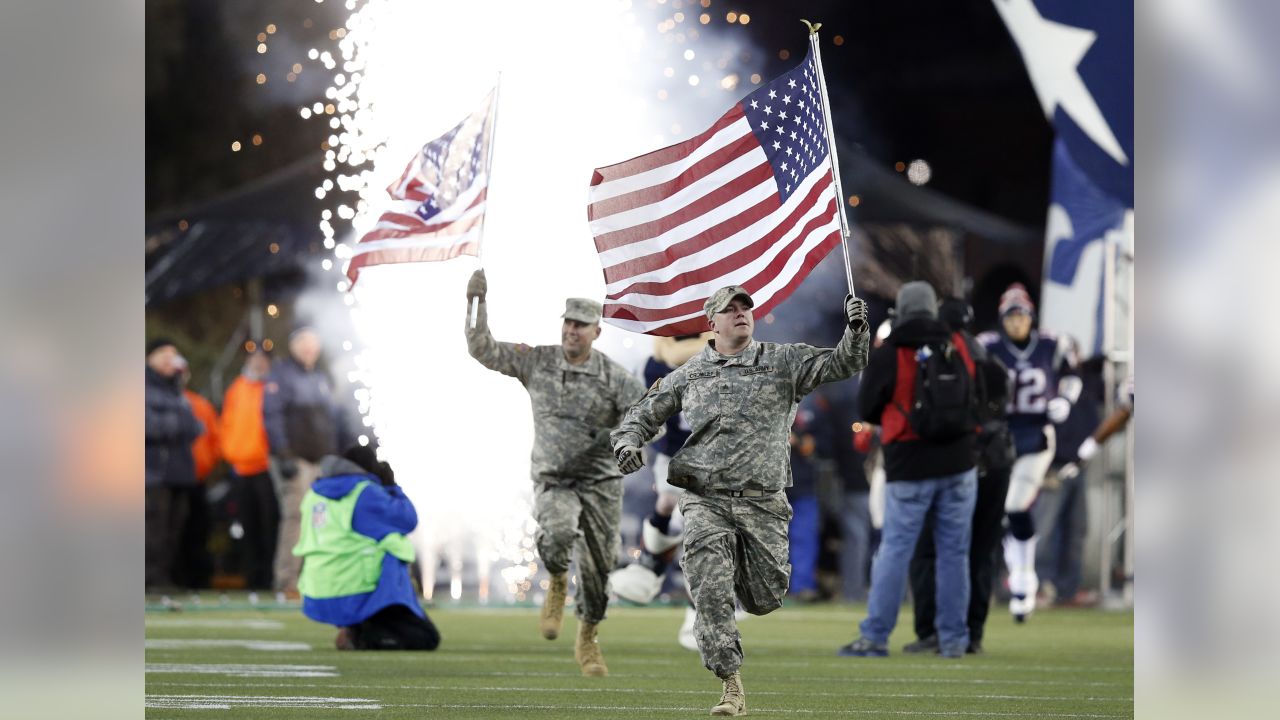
(240, 662)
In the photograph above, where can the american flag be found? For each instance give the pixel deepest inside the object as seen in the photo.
(438, 202)
(748, 202)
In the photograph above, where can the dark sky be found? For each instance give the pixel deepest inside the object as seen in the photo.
(941, 81)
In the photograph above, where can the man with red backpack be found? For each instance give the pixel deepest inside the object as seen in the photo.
(920, 388)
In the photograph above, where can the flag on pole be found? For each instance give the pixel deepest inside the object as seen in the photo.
(748, 202)
(438, 202)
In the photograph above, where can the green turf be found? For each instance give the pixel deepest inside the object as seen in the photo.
(493, 664)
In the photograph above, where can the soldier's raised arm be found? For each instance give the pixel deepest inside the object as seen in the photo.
(814, 366)
(646, 419)
(507, 358)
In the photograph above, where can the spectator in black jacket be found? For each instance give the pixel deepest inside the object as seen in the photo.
(994, 459)
(926, 480)
(171, 427)
(304, 423)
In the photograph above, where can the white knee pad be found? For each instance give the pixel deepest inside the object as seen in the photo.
(1028, 475)
(656, 541)
(636, 583)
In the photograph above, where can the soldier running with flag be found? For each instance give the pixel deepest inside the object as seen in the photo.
(578, 395)
(739, 397)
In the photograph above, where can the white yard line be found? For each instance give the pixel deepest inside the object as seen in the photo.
(213, 623)
(755, 710)
(245, 671)
(462, 688)
(226, 702)
(264, 645)
(463, 655)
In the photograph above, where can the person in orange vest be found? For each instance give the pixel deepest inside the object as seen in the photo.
(244, 445)
(195, 565)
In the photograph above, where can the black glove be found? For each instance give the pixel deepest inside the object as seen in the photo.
(629, 457)
(477, 286)
(855, 313)
(288, 468)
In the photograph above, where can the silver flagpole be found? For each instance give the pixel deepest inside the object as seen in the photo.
(488, 178)
(831, 149)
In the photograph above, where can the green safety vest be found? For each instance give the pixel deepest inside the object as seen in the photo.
(339, 561)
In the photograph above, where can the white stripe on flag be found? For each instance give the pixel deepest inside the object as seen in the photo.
(682, 198)
(723, 248)
(692, 228)
(766, 293)
(715, 253)
(422, 242)
(391, 243)
(659, 175)
(455, 210)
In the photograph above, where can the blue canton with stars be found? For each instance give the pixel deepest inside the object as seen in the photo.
(450, 163)
(786, 117)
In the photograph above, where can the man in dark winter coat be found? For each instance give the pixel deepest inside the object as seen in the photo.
(994, 448)
(930, 476)
(171, 427)
(304, 423)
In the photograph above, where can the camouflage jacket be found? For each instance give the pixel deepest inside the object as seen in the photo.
(574, 406)
(740, 409)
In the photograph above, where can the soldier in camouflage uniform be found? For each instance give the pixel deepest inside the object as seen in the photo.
(739, 397)
(578, 396)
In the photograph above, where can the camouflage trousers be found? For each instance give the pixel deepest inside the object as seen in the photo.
(582, 516)
(733, 546)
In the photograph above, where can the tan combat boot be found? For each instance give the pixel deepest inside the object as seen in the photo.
(734, 700)
(553, 606)
(587, 651)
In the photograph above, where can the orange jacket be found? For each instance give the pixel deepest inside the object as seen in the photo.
(244, 436)
(205, 449)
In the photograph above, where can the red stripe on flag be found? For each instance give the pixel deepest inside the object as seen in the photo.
(741, 258)
(716, 198)
(711, 236)
(406, 255)
(667, 155)
(699, 324)
(456, 227)
(695, 172)
(414, 225)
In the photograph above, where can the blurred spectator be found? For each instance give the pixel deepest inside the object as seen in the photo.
(867, 440)
(1061, 511)
(803, 532)
(244, 445)
(356, 574)
(994, 458)
(304, 424)
(929, 469)
(660, 542)
(171, 427)
(194, 565)
(833, 429)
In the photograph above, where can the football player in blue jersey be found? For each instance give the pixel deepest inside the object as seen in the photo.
(1044, 381)
(641, 581)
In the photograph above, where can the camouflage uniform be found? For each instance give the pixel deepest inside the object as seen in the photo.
(577, 484)
(734, 467)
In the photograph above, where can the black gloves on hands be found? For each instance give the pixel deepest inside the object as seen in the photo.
(630, 459)
(477, 286)
(855, 312)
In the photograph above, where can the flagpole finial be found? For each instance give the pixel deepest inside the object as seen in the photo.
(813, 27)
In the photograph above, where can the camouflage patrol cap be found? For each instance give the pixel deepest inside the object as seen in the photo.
(582, 310)
(721, 298)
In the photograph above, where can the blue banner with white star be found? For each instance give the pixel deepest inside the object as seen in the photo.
(1079, 56)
